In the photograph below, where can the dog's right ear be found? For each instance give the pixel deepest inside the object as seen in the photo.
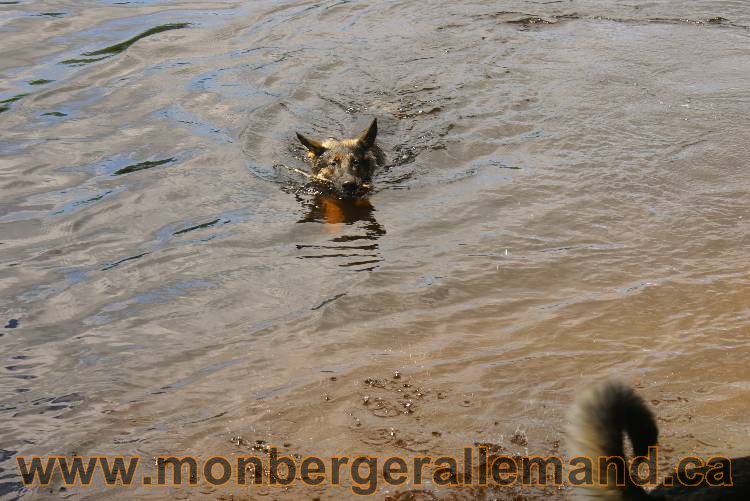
(367, 138)
(314, 147)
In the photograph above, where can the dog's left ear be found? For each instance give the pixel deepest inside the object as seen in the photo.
(367, 138)
(314, 147)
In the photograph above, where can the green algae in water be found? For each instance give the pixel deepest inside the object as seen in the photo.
(197, 227)
(13, 99)
(85, 60)
(5, 102)
(117, 48)
(142, 166)
(122, 46)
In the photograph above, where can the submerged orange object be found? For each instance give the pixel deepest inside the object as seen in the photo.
(335, 210)
(332, 211)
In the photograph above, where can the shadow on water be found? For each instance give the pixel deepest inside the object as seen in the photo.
(353, 229)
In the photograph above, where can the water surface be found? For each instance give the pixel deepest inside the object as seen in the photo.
(566, 199)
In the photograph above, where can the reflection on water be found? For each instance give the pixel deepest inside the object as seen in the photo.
(348, 222)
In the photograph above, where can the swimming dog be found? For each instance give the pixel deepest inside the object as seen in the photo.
(347, 164)
(597, 423)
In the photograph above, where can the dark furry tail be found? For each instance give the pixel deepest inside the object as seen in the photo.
(597, 422)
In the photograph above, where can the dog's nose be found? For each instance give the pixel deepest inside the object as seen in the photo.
(349, 187)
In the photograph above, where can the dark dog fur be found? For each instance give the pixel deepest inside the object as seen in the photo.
(598, 421)
(348, 164)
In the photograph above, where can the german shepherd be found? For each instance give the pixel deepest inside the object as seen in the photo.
(596, 426)
(347, 164)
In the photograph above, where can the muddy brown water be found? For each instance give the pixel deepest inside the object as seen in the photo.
(566, 199)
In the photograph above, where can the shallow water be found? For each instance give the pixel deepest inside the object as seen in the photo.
(566, 198)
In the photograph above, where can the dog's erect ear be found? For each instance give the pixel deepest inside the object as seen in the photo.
(367, 138)
(314, 147)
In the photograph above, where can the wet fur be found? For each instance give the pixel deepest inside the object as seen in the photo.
(348, 164)
(598, 421)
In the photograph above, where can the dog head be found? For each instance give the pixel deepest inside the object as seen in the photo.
(348, 164)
